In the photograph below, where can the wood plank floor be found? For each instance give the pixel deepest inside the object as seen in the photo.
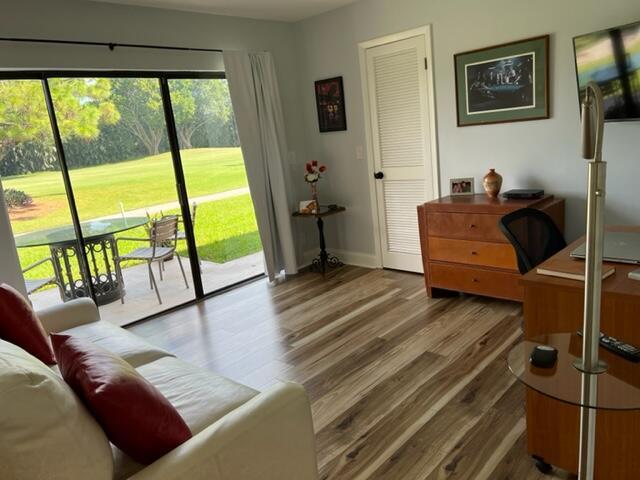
(401, 386)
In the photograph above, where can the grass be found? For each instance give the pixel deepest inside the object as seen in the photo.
(137, 184)
(225, 229)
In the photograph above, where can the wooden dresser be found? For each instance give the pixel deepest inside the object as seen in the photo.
(464, 250)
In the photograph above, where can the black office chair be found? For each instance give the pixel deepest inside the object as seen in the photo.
(534, 236)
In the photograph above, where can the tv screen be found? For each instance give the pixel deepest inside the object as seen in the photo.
(611, 58)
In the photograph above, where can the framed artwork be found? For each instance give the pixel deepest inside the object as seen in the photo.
(503, 83)
(330, 105)
(461, 186)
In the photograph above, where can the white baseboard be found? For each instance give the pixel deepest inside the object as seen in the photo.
(357, 259)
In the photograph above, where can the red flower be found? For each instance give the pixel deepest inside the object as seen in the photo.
(314, 163)
(309, 168)
(322, 168)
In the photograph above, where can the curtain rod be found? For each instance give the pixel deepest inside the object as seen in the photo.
(110, 45)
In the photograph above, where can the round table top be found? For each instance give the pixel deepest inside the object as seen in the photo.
(91, 230)
(616, 389)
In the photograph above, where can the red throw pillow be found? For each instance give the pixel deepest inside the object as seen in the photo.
(20, 325)
(136, 417)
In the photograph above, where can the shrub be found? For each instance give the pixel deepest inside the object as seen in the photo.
(16, 198)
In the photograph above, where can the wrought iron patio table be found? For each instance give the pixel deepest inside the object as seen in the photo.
(100, 247)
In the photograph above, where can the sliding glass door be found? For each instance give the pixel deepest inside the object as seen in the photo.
(135, 153)
(122, 175)
(226, 233)
(35, 195)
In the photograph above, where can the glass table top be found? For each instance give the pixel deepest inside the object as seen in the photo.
(91, 230)
(616, 389)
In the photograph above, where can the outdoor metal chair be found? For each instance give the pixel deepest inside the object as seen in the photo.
(181, 233)
(35, 284)
(163, 237)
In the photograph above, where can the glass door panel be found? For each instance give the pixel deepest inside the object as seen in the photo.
(121, 170)
(226, 233)
(35, 196)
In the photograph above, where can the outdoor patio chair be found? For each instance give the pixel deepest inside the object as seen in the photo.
(163, 237)
(181, 233)
(35, 284)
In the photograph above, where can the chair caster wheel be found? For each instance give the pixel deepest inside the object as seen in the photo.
(542, 466)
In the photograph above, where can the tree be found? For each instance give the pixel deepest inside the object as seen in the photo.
(81, 105)
(140, 105)
(198, 103)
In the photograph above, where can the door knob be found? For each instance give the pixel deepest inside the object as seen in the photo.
(378, 175)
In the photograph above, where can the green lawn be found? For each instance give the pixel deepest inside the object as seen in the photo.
(137, 184)
(225, 229)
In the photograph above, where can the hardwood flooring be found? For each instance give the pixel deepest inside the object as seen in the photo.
(401, 386)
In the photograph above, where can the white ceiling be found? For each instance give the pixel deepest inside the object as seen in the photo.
(284, 10)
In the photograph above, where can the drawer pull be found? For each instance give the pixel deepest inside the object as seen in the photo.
(473, 225)
(474, 280)
(474, 252)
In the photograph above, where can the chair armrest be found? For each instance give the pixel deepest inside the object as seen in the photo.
(37, 264)
(68, 315)
(268, 438)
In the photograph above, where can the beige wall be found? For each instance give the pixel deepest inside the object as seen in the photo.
(528, 154)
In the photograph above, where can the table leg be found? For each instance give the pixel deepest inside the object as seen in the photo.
(105, 275)
(324, 259)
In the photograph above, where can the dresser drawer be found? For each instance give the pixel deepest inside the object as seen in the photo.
(476, 280)
(466, 226)
(472, 252)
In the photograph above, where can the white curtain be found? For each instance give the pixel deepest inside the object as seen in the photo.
(256, 102)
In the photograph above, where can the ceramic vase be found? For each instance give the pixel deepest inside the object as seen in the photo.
(492, 183)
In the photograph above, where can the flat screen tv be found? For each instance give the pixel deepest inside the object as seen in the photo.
(611, 58)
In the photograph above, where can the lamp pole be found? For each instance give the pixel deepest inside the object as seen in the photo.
(589, 364)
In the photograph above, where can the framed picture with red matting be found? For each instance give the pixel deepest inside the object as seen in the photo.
(330, 104)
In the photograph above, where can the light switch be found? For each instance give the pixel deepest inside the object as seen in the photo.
(360, 152)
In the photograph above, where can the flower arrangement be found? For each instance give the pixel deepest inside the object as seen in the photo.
(313, 171)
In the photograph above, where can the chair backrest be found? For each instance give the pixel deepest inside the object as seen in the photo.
(534, 236)
(194, 208)
(164, 231)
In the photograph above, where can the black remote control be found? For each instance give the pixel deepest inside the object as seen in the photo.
(619, 347)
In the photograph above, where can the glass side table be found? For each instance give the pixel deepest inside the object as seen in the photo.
(616, 389)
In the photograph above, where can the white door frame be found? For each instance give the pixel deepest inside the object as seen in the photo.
(425, 31)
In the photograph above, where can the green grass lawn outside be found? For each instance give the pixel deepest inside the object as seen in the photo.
(138, 183)
(225, 230)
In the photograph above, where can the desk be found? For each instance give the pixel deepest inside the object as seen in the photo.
(556, 305)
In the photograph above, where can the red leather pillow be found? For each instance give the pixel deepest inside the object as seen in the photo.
(136, 417)
(20, 325)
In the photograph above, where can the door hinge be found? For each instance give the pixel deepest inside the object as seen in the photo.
(426, 65)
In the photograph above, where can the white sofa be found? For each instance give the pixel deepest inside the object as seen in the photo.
(238, 433)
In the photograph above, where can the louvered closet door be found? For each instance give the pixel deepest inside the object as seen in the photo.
(398, 104)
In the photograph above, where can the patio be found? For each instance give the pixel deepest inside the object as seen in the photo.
(140, 300)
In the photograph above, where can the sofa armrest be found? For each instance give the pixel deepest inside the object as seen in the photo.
(268, 438)
(68, 315)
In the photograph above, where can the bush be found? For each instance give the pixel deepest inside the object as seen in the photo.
(27, 157)
(17, 198)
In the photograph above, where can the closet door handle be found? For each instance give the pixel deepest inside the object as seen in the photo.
(378, 175)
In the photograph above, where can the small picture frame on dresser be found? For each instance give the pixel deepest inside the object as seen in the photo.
(461, 186)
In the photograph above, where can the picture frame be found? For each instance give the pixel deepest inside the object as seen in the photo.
(461, 186)
(330, 105)
(503, 83)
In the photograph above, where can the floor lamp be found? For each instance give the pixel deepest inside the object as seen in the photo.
(589, 364)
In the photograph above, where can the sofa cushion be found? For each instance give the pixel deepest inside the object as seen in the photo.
(201, 397)
(126, 345)
(45, 431)
(134, 414)
(20, 325)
